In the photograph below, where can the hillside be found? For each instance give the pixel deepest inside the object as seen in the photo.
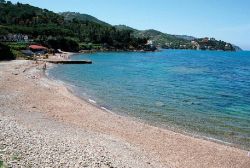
(72, 31)
(237, 48)
(159, 38)
(26, 23)
(69, 16)
(185, 37)
(124, 27)
(169, 41)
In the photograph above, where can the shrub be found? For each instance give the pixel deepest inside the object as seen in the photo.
(64, 44)
(6, 53)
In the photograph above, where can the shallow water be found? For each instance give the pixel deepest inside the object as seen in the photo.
(203, 92)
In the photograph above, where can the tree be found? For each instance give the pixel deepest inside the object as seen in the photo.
(9, 3)
(5, 53)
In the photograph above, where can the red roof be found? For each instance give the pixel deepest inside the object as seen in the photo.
(37, 47)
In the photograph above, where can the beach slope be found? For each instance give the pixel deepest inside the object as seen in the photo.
(43, 124)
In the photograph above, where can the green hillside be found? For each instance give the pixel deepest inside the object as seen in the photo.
(54, 31)
(169, 41)
(185, 37)
(161, 39)
(69, 16)
(158, 38)
(124, 27)
(72, 31)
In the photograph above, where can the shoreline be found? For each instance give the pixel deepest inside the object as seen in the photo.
(164, 147)
(92, 102)
(174, 128)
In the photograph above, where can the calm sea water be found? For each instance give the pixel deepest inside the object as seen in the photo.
(201, 92)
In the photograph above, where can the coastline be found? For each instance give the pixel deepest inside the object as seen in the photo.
(175, 128)
(164, 148)
(172, 128)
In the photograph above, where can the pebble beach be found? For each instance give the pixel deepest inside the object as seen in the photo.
(43, 124)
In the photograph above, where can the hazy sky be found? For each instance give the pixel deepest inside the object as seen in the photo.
(227, 20)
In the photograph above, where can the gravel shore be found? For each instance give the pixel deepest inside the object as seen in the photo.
(43, 125)
(30, 138)
(47, 143)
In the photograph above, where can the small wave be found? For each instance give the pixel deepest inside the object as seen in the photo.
(92, 101)
(106, 109)
(217, 140)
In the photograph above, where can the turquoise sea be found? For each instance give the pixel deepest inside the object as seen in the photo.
(205, 93)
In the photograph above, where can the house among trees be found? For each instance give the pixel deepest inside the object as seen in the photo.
(38, 49)
(228, 46)
(35, 50)
(14, 38)
(195, 45)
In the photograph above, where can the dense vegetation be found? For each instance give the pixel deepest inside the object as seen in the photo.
(71, 31)
(169, 41)
(212, 44)
(5, 52)
(158, 38)
(69, 16)
(53, 30)
(161, 39)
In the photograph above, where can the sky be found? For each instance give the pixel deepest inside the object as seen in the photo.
(227, 20)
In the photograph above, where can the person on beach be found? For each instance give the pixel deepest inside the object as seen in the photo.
(44, 66)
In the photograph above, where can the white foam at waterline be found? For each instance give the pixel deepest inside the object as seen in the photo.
(92, 101)
(106, 109)
(208, 138)
(217, 140)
